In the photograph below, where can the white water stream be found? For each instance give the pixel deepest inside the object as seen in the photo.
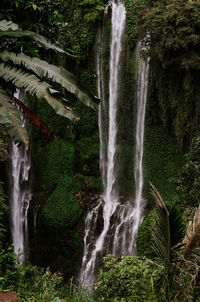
(20, 196)
(130, 217)
(118, 235)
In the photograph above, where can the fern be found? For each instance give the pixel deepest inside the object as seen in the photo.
(56, 74)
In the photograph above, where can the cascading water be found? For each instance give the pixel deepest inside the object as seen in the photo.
(130, 218)
(20, 196)
(120, 220)
(87, 274)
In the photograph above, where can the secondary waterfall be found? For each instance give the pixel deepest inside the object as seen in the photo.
(120, 219)
(20, 196)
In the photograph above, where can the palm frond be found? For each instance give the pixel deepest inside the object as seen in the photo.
(192, 237)
(10, 117)
(42, 41)
(169, 228)
(56, 74)
(32, 85)
(8, 28)
(161, 233)
(177, 228)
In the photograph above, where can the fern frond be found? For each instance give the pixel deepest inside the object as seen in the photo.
(161, 233)
(56, 74)
(32, 85)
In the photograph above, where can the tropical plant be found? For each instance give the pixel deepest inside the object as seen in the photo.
(165, 238)
(27, 73)
(179, 254)
(128, 278)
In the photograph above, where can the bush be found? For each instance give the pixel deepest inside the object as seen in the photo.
(30, 283)
(127, 278)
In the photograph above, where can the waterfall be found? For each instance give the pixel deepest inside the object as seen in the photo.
(108, 163)
(130, 217)
(121, 220)
(20, 196)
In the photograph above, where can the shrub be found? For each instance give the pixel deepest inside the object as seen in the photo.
(127, 278)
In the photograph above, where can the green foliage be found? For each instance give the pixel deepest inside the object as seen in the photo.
(144, 239)
(127, 279)
(130, 23)
(188, 185)
(174, 29)
(174, 100)
(3, 212)
(168, 231)
(58, 125)
(173, 91)
(168, 244)
(58, 75)
(161, 161)
(93, 9)
(88, 148)
(53, 161)
(55, 171)
(30, 283)
(34, 84)
(60, 161)
(61, 209)
(3, 143)
(65, 19)
(79, 32)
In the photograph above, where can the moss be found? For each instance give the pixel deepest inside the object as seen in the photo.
(61, 209)
(51, 161)
(161, 161)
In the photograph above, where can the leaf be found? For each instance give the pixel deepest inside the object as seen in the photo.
(177, 228)
(32, 85)
(161, 233)
(10, 117)
(8, 28)
(169, 229)
(34, 6)
(56, 74)
(6, 25)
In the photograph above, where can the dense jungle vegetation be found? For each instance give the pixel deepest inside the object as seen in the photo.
(65, 163)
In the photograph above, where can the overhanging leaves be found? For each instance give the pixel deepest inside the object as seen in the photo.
(32, 85)
(56, 74)
(161, 233)
(8, 28)
(169, 229)
(10, 117)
